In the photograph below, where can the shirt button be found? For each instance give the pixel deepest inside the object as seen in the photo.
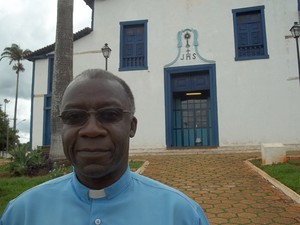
(97, 221)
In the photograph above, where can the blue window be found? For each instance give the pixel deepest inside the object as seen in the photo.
(47, 120)
(250, 33)
(133, 48)
(47, 104)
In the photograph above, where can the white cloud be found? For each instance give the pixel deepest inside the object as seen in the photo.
(30, 24)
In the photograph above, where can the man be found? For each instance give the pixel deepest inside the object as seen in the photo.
(97, 112)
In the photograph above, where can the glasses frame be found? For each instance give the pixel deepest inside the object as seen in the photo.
(88, 114)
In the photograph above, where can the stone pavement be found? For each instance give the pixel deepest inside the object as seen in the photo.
(228, 190)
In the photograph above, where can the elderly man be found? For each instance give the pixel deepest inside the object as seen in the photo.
(97, 112)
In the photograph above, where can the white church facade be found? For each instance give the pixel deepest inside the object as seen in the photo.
(204, 73)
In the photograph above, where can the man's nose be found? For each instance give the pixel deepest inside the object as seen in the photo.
(92, 128)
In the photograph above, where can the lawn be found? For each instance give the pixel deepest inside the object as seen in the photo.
(287, 173)
(10, 187)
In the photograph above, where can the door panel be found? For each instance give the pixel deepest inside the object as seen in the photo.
(198, 80)
(191, 123)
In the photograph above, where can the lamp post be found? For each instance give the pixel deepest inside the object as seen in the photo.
(6, 101)
(295, 30)
(106, 53)
(20, 122)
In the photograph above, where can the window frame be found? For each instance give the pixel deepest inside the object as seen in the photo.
(123, 25)
(236, 13)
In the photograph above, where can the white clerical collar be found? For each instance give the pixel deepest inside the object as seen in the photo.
(95, 194)
(87, 194)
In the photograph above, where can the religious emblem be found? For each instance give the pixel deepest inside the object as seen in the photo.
(188, 49)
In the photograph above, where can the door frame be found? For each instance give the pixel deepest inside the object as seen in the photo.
(169, 97)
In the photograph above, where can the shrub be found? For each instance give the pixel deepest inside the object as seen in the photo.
(26, 162)
(18, 165)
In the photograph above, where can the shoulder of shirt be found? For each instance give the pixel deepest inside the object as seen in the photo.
(45, 185)
(57, 180)
(153, 184)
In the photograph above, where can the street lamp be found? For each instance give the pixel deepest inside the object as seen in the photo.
(106, 53)
(295, 30)
(20, 122)
(6, 101)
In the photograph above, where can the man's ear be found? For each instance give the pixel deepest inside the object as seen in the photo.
(133, 127)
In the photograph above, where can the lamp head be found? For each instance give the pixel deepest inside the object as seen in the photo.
(106, 51)
(295, 30)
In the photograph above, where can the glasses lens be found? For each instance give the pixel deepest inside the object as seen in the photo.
(74, 117)
(112, 115)
(79, 117)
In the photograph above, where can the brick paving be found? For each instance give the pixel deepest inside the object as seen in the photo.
(228, 190)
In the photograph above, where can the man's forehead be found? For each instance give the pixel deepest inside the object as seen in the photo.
(93, 83)
(93, 88)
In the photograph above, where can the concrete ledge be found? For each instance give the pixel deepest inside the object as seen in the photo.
(5, 154)
(184, 151)
(142, 168)
(273, 153)
(289, 192)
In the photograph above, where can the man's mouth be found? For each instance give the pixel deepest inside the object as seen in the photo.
(90, 152)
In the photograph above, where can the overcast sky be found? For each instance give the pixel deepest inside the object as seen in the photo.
(31, 24)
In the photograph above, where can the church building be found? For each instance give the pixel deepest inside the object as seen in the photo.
(204, 73)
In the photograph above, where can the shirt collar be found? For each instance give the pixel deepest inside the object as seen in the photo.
(86, 194)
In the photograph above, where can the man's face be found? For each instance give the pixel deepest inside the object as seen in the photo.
(97, 150)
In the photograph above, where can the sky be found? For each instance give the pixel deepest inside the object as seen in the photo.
(32, 25)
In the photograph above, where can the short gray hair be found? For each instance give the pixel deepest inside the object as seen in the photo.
(103, 74)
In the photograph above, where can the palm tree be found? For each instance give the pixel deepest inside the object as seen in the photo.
(15, 54)
(63, 71)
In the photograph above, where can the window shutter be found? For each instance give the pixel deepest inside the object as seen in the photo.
(250, 34)
(133, 55)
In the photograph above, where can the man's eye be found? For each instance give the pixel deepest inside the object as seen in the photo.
(110, 115)
(74, 117)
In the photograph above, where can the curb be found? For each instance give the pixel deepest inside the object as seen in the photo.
(289, 192)
(142, 168)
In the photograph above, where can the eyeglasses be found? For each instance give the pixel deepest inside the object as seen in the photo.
(104, 116)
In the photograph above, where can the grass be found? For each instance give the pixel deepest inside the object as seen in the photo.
(287, 173)
(11, 187)
(134, 165)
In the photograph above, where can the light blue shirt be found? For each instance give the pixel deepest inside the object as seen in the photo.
(132, 200)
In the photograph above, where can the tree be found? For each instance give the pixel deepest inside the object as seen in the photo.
(6, 130)
(63, 71)
(15, 54)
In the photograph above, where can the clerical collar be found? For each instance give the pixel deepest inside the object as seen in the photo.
(86, 194)
(95, 194)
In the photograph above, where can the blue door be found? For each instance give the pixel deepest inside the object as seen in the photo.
(191, 119)
(191, 106)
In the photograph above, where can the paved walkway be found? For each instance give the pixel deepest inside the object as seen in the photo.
(228, 190)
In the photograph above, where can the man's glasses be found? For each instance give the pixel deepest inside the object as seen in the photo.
(104, 116)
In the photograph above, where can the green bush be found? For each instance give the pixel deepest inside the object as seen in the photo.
(18, 165)
(26, 162)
